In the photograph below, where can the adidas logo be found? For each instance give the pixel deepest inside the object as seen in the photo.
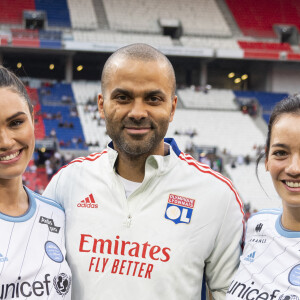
(88, 202)
(2, 258)
(250, 257)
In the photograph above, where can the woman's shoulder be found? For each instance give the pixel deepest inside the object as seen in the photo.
(263, 221)
(42, 199)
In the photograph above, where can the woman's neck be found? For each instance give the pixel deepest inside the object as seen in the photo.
(291, 218)
(13, 198)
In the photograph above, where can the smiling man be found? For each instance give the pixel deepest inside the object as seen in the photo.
(144, 220)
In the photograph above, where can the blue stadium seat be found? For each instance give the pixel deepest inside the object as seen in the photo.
(50, 39)
(267, 100)
(68, 128)
(57, 12)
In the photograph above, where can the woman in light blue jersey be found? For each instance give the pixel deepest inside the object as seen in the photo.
(32, 247)
(270, 265)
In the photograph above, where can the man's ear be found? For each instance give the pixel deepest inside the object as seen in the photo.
(100, 105)
(174, 104)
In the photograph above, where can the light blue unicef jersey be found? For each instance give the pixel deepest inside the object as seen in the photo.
(270, 265)
(32, 253)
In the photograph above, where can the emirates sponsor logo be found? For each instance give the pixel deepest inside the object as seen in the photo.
(107, 256)
(88, 202)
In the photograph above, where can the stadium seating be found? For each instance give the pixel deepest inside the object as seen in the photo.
(267, 100)
(196, 17)
(3, 40)
(82, 14)
(265, 50)
(94, 130)
(57, 12)
(11, 11)
(121, 39)
(209, 42)
(230, 130)
(257, 19)
(216, 99)
(50, 39)
(258, 196)
(25, 38)
(264, 46)
(37, 180)
(39, 127)
(58, 101)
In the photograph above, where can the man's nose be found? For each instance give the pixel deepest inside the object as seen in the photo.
(138, 110)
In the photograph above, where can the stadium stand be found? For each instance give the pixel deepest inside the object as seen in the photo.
(4, 39)
(250, 190)
(57, 12)
(38, 118)
(258, 20)
(209, 42)
(266, 100)
(196, 17)
(57, 104)
(215, 99)
(121, 39)
(230, 130)
(11, 11)
(50, 39)
(264, 46)
(86, 98)
(265, 50)
(25, 38)
(86, 20)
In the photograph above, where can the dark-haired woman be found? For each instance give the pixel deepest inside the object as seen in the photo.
(32, 247)
(270, 264)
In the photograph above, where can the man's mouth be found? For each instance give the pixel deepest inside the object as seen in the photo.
(137, 130)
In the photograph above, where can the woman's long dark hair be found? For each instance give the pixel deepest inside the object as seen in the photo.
(9, 80)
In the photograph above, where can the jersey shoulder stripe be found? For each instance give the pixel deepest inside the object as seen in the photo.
(44, 199)
(91, 157)
(206, 169)
(271, 211)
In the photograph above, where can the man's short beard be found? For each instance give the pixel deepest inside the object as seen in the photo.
(134, 151)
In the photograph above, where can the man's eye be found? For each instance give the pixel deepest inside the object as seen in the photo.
(154, 99)
(122, 98)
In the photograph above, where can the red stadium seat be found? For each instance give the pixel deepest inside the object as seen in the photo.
(25, 38)
(11, 11)
(257, 19)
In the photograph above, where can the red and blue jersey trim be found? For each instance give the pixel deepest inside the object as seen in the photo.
(91, 157)
(204, 169)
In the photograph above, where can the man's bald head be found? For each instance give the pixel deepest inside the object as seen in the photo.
(142, 52)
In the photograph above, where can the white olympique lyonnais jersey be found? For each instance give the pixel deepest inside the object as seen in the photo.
(32, 253)
(270, 265)
(184, 221)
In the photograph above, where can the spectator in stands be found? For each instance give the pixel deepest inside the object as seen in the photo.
(269, 266)
(31, 226)
(122, 204)
(53, 133)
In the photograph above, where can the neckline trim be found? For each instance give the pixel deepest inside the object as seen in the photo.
(27, 215)
(285, 232)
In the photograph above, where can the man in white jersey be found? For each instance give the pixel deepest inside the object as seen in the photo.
(144, 220)
(36, 238)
